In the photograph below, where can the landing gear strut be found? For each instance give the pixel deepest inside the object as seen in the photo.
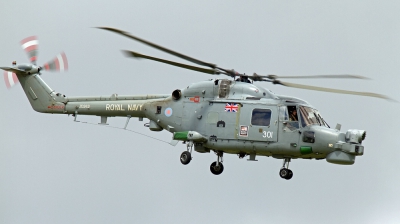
(285, 173)
(186, 156)
(216, 167)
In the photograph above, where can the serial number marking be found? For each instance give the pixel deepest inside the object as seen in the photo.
(55, 107)
(84, 106)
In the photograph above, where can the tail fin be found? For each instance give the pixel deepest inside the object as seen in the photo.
(42, 98)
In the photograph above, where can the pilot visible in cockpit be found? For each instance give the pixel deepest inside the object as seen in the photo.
(293, 115)
(243, 79)
(293, 118)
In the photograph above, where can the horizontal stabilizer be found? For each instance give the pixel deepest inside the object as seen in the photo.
(14, 70)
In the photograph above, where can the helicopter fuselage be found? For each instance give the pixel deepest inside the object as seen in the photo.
(224, 115)
(219, 115)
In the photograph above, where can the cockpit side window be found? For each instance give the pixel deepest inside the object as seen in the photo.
(283, 113)
(261, 117)
(293, 113)
(288, 114)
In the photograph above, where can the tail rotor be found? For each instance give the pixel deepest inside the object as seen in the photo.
(59, 63)
(10, 78)
(30, 45)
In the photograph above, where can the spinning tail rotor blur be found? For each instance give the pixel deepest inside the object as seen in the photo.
(30, 45)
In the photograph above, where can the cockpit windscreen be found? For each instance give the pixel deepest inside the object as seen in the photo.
(310, 116)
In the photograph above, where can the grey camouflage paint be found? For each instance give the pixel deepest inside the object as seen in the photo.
(202, 109)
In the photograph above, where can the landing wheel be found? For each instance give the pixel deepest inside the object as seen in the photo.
(186, 157)
(290, 175)
(286, 173)
(216, 170)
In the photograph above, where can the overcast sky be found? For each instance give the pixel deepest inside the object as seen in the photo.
(54, 170)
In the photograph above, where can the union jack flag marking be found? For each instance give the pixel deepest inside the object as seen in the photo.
(231, 107)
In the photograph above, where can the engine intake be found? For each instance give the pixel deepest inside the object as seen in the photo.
(176, 94)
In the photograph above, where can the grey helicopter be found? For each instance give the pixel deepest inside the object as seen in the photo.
(224, 115)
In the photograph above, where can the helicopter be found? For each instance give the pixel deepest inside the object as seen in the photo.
(229, 115)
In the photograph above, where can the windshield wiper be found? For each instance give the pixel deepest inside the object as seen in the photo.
(317, 118)
(324, 122)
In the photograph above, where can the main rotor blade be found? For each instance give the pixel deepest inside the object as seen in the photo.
(196, 61)
(323, 89)
(190, 67)
(339, 76)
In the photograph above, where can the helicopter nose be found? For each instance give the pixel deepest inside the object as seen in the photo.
(346, 151)
(350, 142)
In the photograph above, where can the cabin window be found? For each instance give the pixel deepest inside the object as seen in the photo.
(261, 117)
(224, 88)
(309, 136)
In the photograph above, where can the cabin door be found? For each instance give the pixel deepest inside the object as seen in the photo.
(221, 120)
(258, 123)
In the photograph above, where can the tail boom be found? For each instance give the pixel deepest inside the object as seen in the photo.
(45, 100)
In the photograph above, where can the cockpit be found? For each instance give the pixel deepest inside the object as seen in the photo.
(310, 116)
(243, 79)
(300, 116)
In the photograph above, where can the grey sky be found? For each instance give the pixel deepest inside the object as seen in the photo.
(53, 170)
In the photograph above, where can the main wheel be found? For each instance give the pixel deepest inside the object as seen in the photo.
(290, 175)
(216, 170)
(186, 157)
(284, 173)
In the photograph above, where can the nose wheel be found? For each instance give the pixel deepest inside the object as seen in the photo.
(217, 167)
(285, 172)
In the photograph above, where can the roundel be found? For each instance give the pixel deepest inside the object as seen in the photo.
(168, 112)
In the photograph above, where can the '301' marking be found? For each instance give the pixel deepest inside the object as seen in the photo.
(267, 134)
